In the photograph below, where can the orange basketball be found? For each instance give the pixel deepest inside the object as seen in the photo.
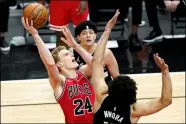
(36, 12)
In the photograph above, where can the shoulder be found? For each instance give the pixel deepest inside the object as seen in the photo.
(84, 69)
(108, 53)
(55, 84)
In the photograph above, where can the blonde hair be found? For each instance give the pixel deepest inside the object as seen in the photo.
(56, 51)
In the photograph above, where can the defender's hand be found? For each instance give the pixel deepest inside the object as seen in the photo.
(160, 63)
(70, 41)
(112, 22)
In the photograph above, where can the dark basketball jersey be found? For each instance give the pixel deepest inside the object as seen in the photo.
(81, 62)
(77, 100)
(112, 113)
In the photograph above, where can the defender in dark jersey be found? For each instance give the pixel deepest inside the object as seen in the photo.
(116, 107)
(72, 88)
(81, 62)
(86, 32)
(119, 106)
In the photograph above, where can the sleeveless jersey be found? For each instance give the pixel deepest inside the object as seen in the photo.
(77, 100)
(112, 113)
(81, 62)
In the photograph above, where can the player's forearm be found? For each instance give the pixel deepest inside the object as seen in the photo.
(43, 51)
(166, 96)
(101, 45)
(87, 57)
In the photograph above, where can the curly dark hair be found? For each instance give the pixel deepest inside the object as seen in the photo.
(123, 89)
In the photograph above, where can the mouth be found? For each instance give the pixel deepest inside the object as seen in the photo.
(89, 40)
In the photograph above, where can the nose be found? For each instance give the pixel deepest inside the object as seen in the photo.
(72, 54)
(88, 34)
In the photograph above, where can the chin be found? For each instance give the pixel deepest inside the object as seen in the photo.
(77, 65)
(90, 44)
(73, 66)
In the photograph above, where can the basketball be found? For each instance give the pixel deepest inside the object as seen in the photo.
(36, 12)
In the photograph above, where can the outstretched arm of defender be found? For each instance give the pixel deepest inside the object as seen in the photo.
(97, 62)
(70, 41)
(157, 104)
(44, 53)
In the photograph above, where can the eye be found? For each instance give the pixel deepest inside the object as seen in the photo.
(83, 33)
(66, 54)
(91, 32)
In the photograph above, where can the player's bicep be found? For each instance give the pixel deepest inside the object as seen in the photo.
(97, 73)
(98, 79)
(148, 108)
(54, 75)
(86, 70)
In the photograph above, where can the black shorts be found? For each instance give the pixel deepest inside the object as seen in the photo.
(4, 16)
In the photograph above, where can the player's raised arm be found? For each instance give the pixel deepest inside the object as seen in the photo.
(97, 62)
(44, 53)
(157, 104)
(70, 41)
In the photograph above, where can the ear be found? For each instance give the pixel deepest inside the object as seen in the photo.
(59, 64)
(78, 37)
(95, 36)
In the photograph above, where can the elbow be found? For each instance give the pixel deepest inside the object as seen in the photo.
(50, 64)
(167, 102)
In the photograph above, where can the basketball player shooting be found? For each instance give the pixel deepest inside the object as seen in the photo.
(68, 83)
(73, 91)
(119, 106)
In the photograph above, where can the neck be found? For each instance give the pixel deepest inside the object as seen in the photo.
(70, 73)
(89, 49)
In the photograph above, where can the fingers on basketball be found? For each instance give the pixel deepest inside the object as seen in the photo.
(27, 24)
(23, 22)
(31, 23)
(36, 12)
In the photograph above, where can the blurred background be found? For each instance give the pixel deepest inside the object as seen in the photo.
(159, 26)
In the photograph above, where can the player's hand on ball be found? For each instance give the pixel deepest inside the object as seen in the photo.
(29, 27)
